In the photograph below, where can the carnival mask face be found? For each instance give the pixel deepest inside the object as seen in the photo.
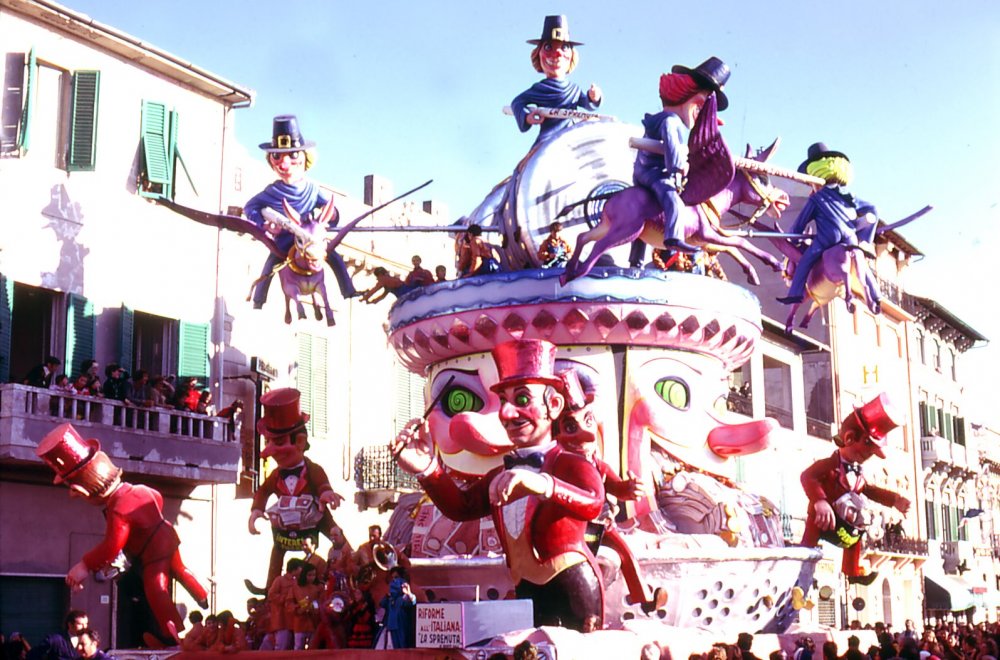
(290, 166)
(465, 424)
(527, 412)
(857, 449)
(676, 405)
(578, 431)
(555, 58)
(286, 451)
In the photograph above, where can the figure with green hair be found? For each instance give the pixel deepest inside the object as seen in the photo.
(833, 211)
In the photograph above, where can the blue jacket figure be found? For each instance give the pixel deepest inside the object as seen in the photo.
(288, 155)
(833, 211)
(400, 609)
(556, 56)
(683, 92)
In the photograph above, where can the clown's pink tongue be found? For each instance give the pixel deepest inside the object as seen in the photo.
(741, 439)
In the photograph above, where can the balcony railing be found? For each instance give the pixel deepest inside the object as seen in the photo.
(819, 428)
(152, 441)
(739, 403)
(376, 469)
(900, 545)
(783, 416)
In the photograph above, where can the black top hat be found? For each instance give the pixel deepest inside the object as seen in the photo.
(556, 28)
(818, 150)
(286, 137)
(712, 74)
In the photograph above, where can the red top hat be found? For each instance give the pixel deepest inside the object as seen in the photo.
(525, 361)
(876, 418)
(281, 412)
(572, 388)
(65, 451)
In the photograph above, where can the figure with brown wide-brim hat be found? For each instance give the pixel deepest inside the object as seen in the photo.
(135, 526)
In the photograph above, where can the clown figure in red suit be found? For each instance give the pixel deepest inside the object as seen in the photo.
(577, 431)
(833, 485)
(135, 525)
(301, 486)
(540, 500)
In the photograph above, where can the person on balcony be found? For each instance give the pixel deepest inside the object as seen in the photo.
(41, 375)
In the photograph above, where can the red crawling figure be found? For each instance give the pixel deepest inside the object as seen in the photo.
(135, 525)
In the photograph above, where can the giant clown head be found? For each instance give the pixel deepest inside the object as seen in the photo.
(656, 351)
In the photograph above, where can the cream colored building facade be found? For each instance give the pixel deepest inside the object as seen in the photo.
(96, 125)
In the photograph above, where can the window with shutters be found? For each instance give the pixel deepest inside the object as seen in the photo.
(930, 514)
(160, 153)
(311, 381)
(145, 342)
(81, 327)
(192, 351)
(50, 110)
(83, 122)
(409, 396)
(30, 319)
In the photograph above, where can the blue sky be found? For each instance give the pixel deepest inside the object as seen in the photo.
(414, 90)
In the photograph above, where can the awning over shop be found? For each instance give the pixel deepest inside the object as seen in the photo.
(947, 592)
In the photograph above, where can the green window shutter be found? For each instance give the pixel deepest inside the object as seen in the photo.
(6, 315)
(922, 406)
(83, 124)
(960, 430)
(81, 326)
(125, 335)
(948, 430)
(192, 346)
(28, 90)
(157, 159)
(311, 381)
(409, 396)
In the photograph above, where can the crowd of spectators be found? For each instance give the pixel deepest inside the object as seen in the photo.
(139, 389)
(316, 585)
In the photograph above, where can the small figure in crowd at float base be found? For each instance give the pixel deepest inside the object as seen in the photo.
(135, 526)
(303, 607)
(554, 251)
(399, 618)
(473, 255)
(42, 374)
(62, 646)
(419, 276)
(279, 630)
(541, 499)
(440, 273)
(554, 55)
(832, 484)
(834, 213)
(302, 487)
(683, 93)
(290, 155)
(89, 646)
(577, 431)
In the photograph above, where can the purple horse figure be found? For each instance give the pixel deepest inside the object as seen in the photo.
(634, 213)
(840, 272)
(301, 274)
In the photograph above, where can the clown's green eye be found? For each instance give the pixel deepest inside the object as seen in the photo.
(459, 400)
(521, 400)
(674, 392)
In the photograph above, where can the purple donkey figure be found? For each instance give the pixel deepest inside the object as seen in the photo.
(301, 273)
